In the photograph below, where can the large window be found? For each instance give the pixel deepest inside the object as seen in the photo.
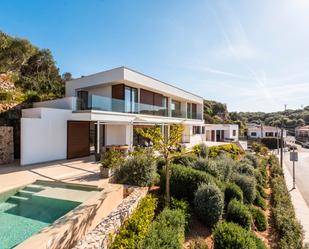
(176, 109)
(130, 99)
(253, 134)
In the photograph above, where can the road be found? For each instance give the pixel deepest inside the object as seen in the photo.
(302, 171)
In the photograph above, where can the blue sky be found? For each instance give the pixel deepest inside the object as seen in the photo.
(251, 55)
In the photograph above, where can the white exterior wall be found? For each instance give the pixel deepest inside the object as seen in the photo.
(45, 138)
(118, 134)
(63, 103)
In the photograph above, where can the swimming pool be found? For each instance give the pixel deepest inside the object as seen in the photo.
(26, 211)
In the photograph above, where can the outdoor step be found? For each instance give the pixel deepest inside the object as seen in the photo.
(33, 188)
(17, 199)
(24, 193)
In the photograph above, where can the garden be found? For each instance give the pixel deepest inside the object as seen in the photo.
(208, 197)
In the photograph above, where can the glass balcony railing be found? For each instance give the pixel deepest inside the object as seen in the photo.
(102, 103)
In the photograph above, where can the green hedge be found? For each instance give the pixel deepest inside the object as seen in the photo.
(239, 214)
(167, 231)
(259, 218)
(134, 230)
(232, 236)
(232, 191)
(248, 187)
(288, 228)
(185, 181)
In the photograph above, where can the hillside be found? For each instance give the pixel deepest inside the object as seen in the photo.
(27, 74)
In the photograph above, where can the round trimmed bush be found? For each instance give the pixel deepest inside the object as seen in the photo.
(232, 191)
(248, 187)
(209, 203)
(244, 167)
(231, 236)
(139, 170)
(259, 218)
(239, 213)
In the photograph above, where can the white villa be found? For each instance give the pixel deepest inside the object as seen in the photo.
(102, 110)
(262, 131)
(222, 132)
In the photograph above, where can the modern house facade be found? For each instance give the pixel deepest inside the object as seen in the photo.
(262, 131)
(222, 132)
(103, 110)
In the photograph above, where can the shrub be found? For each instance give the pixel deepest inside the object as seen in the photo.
(160, 163)
(220, 168)
(134, 230)
(32, 96)
(286, 224)
(259, 218)
(184, 181)
(184, 159)
(6, 96)
(183, 206)
(209, 203)
(112, 159)
(248, 187)
(244, 167)
(252, 159)
(259, 243)
(198, 243)
(261, 190)
(259, 201)
(167, 231)
(239, 213)
(139, 170)
(232, 191)
(201, 150)
(232, 149)
(231, 236)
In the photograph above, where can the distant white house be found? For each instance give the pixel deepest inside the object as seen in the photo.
(302, 132)
(262, 131)
(221, 132)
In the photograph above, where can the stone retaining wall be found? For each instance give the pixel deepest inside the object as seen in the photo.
(6, 145)
(102, 236)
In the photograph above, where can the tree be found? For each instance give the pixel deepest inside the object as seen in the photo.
(166, 146)
(41, 74)
(67, 76)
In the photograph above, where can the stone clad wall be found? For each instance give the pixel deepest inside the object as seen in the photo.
(102, 236)
(6, 145)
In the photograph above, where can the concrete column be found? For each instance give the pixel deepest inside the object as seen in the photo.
(169, 111)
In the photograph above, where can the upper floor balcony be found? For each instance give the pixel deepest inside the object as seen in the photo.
(168, 108)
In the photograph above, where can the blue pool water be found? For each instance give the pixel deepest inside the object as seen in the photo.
(26, 213)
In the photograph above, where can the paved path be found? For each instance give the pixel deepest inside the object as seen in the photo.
(83, 170)
(300, 195)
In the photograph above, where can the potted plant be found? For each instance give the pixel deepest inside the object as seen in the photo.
(110, 160)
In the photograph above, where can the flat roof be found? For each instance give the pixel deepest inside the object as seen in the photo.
(134, 71)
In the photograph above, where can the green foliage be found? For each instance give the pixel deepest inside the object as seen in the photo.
(31, 97)
(134, 230)
(239, 214)
(198, 243)
(232, 191)
(288, 228)
(252, 158)
(201, 150)
(233, 150)
(112, 159)
(259, 201)
(232, 236)
(209, 203)
(139, 170)
(248, 187)
(259, 149)
(185, 181)
(183, 206)
(244, 167)
(167, 231)
(221, 167)
(259, 218)
(6, 96)
(184, 159)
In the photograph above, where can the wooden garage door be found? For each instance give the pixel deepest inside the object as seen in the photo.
(78, 139)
